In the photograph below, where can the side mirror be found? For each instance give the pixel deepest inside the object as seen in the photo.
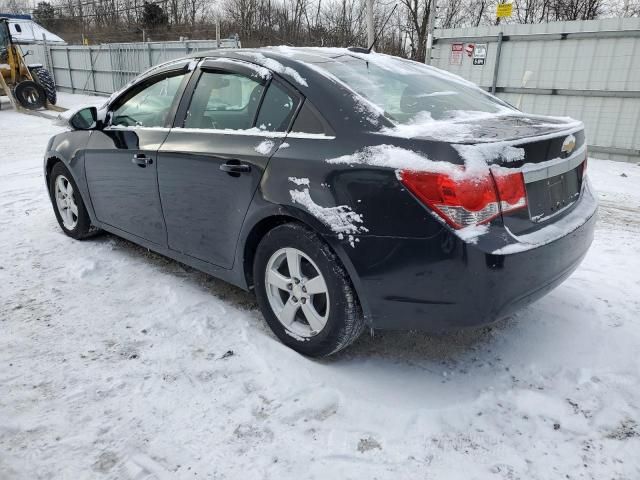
(85, 119)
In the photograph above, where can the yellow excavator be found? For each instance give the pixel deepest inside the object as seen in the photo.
(29, 87)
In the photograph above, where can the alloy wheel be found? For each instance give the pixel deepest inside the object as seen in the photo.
(297, 292)
(66, 202)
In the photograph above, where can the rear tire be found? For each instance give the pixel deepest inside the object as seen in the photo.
(68, 205)
(287, 305)
(42, 76)
(30, 95)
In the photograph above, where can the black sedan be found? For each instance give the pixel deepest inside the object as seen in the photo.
(348, 189)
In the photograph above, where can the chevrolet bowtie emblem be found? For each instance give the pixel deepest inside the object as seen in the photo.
(568, 145)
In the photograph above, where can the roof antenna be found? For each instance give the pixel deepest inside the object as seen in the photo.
(375, 39)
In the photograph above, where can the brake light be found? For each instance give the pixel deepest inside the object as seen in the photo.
(466, 199)
(511, 190)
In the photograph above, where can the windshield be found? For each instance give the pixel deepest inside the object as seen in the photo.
(5, 36)
(406, 90)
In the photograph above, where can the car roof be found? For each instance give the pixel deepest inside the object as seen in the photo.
(299, 54)
(298, 65)
(298, 62)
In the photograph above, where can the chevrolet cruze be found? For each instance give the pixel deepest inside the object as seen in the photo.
(348, 189)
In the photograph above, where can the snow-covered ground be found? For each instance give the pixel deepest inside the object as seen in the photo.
(118, 363)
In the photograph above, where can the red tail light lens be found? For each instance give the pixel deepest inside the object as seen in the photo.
(464, 200)
(511, 191)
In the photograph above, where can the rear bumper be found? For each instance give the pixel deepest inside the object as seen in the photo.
(443, 283)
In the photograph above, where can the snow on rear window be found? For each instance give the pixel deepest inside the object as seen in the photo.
(403, 89)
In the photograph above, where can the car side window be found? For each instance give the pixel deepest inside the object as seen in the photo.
(150, 106)
(310, 121)
(224, 100)
(277, 109)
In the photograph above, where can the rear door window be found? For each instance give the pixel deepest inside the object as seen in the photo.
(277, 109)
(309, 120)
(224, 100)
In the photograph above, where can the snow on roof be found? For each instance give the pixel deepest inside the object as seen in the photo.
(23, 16)
(25, 31)
(274, 65)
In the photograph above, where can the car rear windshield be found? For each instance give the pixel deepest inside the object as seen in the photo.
(406, 89)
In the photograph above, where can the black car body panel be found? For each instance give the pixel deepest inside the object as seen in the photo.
(442, 282)
(125, 194)
(178, 191)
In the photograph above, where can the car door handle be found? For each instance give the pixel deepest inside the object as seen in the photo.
(230, 167)
(141, 160)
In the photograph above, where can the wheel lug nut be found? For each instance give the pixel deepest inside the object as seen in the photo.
(297, 280)
(289, 286)
(294, 299)
(304, 289)
(304, 300)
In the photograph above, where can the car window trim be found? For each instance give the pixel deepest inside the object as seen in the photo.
(264, 94)
(145, 83)
(135, 127)
(253, 132)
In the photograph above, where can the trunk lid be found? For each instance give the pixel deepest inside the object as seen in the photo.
(494, 128)
(550, 153)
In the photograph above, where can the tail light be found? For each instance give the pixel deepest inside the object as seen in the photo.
(466, 199)
(511, 190)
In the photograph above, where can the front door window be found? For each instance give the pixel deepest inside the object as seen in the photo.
(149, 107)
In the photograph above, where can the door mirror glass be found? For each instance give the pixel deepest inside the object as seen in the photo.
(85, 119)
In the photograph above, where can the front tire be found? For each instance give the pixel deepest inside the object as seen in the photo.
(45, 79)
(68, 205)
(304, 292)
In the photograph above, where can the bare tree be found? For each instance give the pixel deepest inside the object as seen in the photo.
(418, 12)
(305, 22)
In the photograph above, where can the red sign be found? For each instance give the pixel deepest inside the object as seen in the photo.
(456, 54)
(469, 49)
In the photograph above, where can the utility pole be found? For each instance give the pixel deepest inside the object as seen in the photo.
(81, 16)
(432, 22)
(371, 34)
(217, 32)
